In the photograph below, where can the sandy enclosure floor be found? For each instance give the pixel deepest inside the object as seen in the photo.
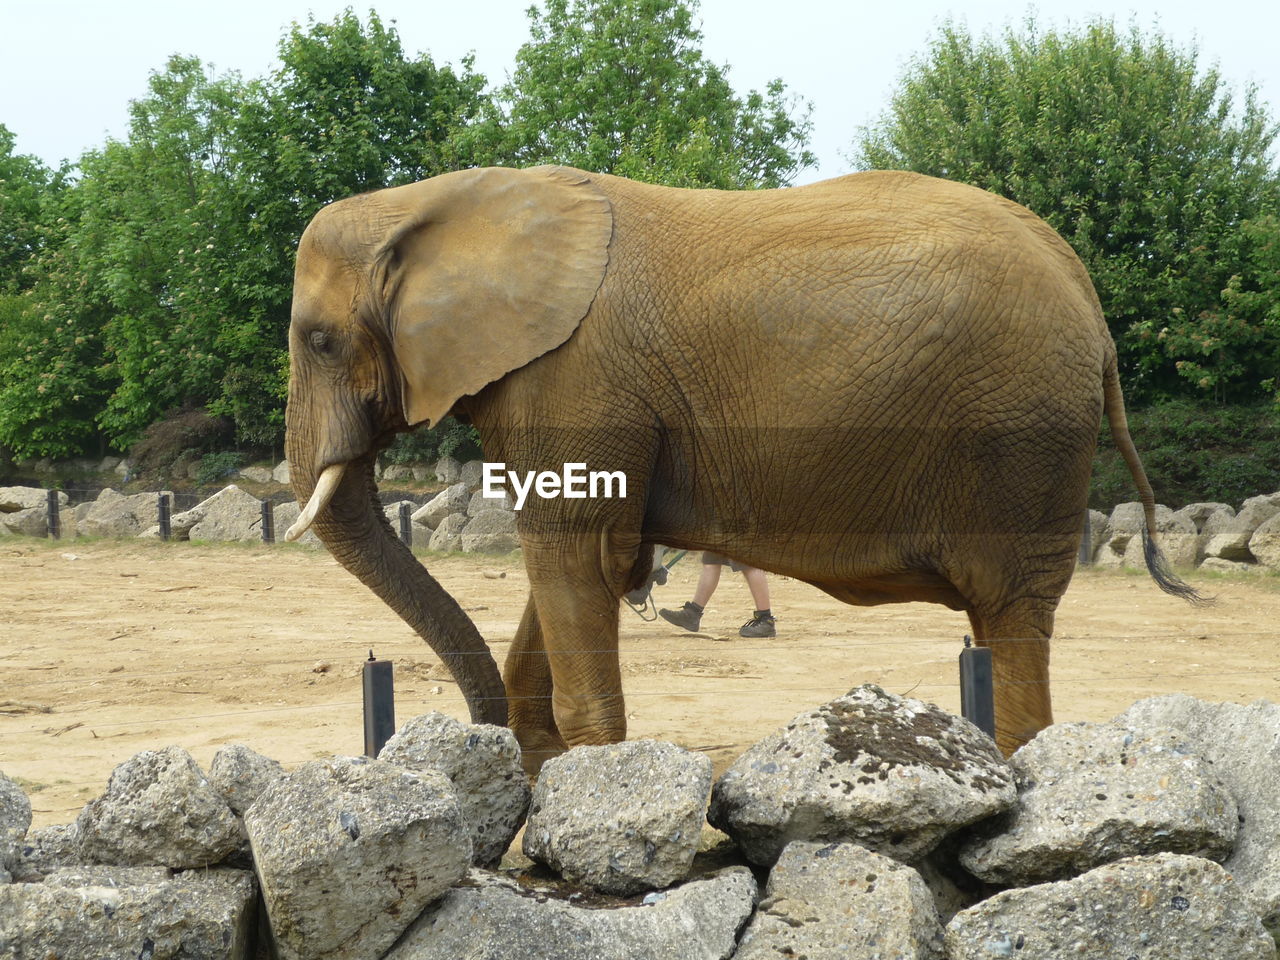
(107, 649)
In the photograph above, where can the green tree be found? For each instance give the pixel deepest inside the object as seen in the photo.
(25, 185)
(622, 86)
(1140, 158)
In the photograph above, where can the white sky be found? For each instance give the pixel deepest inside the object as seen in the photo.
(69, 67)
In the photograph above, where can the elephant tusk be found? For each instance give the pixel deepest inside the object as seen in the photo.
(326, 487)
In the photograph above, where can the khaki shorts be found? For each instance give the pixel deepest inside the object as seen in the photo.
(734, 565)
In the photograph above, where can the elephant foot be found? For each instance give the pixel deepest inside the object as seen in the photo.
(537, 747)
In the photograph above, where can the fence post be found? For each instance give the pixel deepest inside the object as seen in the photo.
(163, 507)
(977, 687)
(406, 525)
(268, 522)
(1086, 542)
(379, 705)
(55, 516)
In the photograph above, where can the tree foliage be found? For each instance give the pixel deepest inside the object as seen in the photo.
(1140, 158)
(622, 86)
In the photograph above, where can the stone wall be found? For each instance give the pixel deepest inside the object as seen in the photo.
(872, 826)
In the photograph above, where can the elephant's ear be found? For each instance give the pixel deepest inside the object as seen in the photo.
(484, 271)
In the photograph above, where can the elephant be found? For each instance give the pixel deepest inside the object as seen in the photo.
(886, 385)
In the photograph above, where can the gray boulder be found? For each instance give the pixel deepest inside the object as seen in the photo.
(479, 503)
(282, 474)
(229, 515)
(449, 501)
(392, 512)
(620, 818)
(841, 901)
(24, 511)
(483, 764)
(1090, 793)
(115, 515)
(240, 774)
(1217, 522)
(1243, 744)
(1265, 544)
(1122, 547)
(45, 850)
(349, 851)
(447, 537)
(17, 499)
(1199, 513)
(1166, 907)
(256, 474)
(893, 774)
(15, 821)
(471, 474)
(121, 912)
(159, 808)
(1218, 565)
(1097, 532)
(398, 473)
(491, 531)
(448, 470)
(1233, 542)
(492, 917)
(286, 515)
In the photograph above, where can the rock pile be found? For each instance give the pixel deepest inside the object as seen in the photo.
(888, 827)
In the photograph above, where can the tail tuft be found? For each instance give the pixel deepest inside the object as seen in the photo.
(1164, 576)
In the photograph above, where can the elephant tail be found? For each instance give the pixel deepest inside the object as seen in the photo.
(1157, 564)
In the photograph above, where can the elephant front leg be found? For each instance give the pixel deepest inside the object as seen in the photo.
(576, 595)
(527, 677)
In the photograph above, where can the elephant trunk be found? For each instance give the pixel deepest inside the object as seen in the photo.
(355, 529)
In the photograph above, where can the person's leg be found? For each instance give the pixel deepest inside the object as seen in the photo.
(758, 584)
(761, 623)
(690, 615)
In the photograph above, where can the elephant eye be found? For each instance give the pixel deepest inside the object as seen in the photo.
(320, 341)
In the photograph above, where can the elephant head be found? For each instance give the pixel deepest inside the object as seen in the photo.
(406, 300)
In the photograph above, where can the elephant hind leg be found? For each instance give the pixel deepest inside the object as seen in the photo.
(527, 677)
(1018, 635)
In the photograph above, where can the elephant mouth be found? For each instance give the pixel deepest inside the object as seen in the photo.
(326, 487)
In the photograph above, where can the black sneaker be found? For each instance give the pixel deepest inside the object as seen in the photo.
(759, 626)
(688, 617)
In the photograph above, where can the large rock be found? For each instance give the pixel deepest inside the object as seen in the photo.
(159, 808)
(1233, 542)
(115, 515)
(392, 513)
(1166, 907)
(491, 917)
(256, 474)
(490, 531)
(282, 474)
(471, 474)
(1265, 543)
(1217, 522)
(483, 764)
(47, 849)
(1199, 513)
(17, 499)
(447, 537)
(240, 774)
(398, 473)
(891, 773)
(130, 912)
(1243, 743)
(1090, 793)
(24, 511)
(1122, 545)
(286, 515)
(15, 820)
(448, 470)
(1096, 532)
(349, 851)
(479, 503)
(231, 514)
(449, 501)
(842, 901)
(620, 818)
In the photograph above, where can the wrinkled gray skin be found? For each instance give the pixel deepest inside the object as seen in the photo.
(885, 385)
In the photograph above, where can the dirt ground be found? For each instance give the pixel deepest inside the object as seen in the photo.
(107, 649)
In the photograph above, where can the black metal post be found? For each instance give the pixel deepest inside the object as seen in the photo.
(977, 687)
(1086, 542)
(379, 705)
(163, 506)
(55, 516)
(406, 525)
(268, 522)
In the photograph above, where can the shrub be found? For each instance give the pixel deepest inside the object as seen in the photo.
(177, 433)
